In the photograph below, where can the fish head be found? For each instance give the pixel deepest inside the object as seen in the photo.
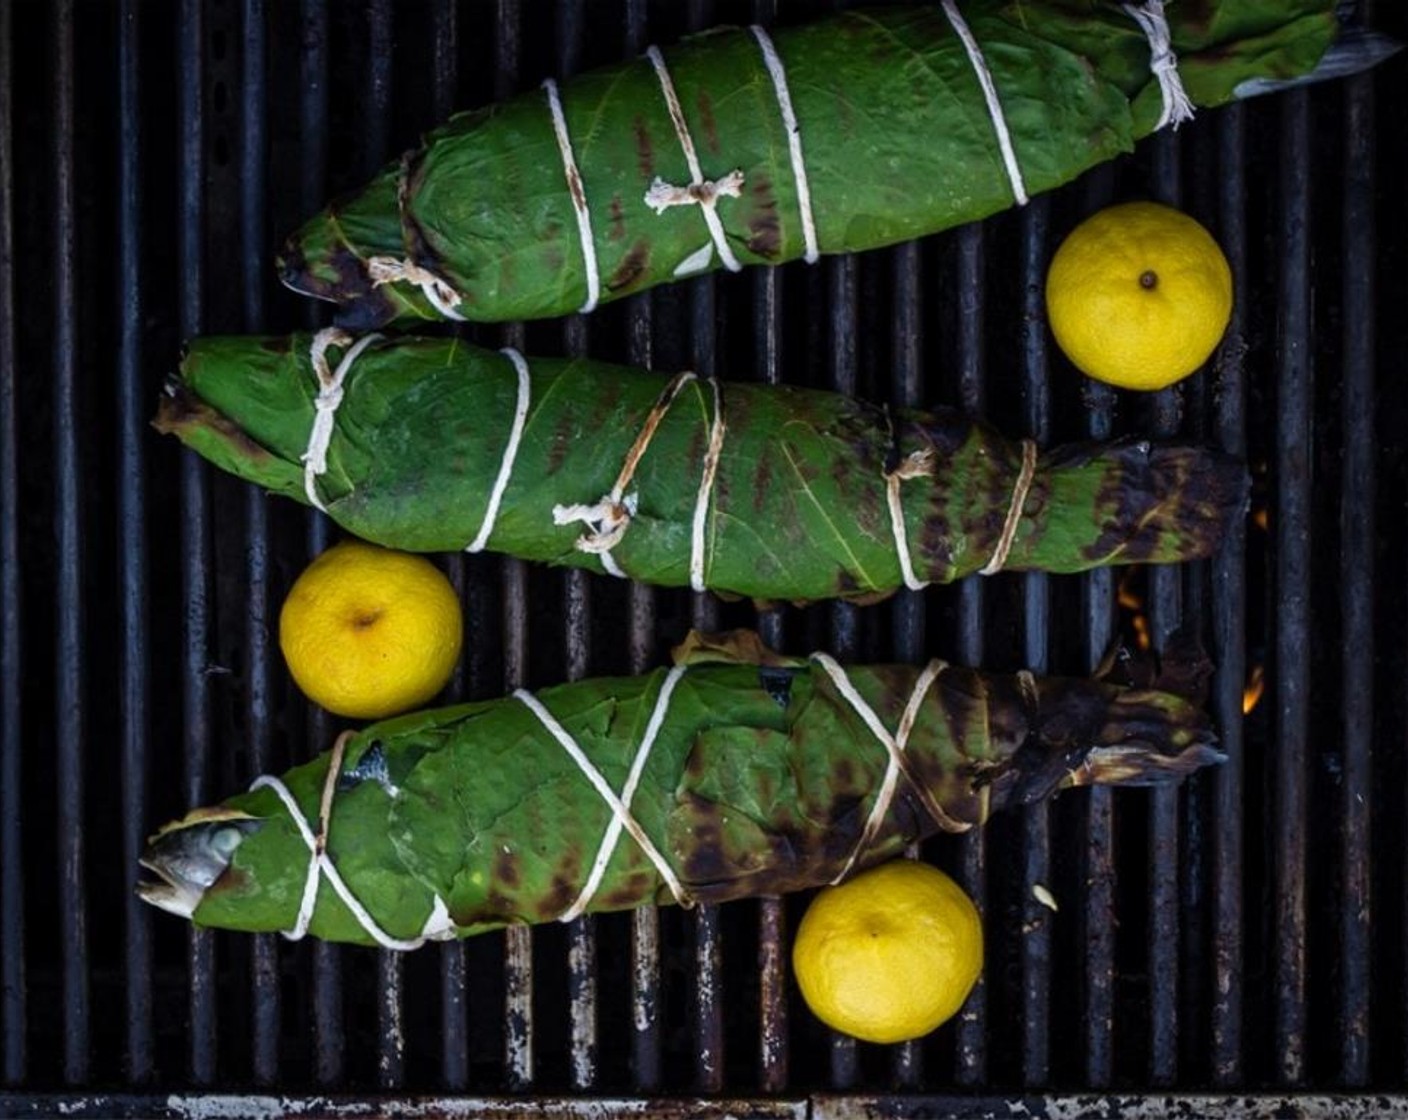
(188, 856)
(1082, 732)
(1150, 737)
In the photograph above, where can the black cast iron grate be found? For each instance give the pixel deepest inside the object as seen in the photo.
(1242, 934)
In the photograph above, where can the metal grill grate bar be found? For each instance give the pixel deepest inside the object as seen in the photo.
(970, 1066)
(772, 914)
(391, 1045)
(844, 624)
(907, 610)
(1357, 542)
(1229, 626)
(645, 922)
(133, 404)
(375, 122)
(1291, 527)
(326, 996)
(1098, 593)
(646, 1044)
(708, 933)
(465, 683)
(1036, 630)
(71, 653)
(264, 965)
(1165, 617)
(12, 979)
(196, 558)
(582, 961)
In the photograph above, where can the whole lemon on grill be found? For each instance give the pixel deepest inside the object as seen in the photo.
(1139, 295)
(368, 632)
(890, 954)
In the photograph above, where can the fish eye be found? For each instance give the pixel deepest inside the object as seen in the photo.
(224, 841)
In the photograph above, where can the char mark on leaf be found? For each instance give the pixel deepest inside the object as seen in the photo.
(645, 152)
(632, 267)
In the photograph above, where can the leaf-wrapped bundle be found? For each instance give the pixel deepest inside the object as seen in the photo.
(746, 147)
(736, 773)
(761, 491)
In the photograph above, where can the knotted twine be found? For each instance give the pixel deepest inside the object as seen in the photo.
(1178, 106)
(327, 402)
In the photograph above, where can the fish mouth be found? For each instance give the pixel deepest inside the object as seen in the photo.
(189, 856)
(170, 893)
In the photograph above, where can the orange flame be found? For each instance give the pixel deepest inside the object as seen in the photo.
(1141, 632)
(1131, 601)
(1261, 518)
(1256, 685)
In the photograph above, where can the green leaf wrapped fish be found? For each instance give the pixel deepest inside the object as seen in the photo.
(735, 773)
(760, 491)
(743, 146)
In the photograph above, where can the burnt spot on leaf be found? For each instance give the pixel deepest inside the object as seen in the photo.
(645, 151)
(632, 267)
(562, 437)
(562, 894)
(762, 482)
(704, 861)
(764, 228)
(846, 815)
(844, 772)
(506, 867)
(847, 586)
(350, 274)
(180, 410)
(1160, 503)
(707, 123)
(637, 888)
(934, 541)
(292, 266)
(616, 228)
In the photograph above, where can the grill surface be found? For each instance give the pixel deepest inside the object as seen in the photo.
(1242, 933)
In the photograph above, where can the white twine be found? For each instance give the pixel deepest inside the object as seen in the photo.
(438, 926)
(794, 140)
(1020, 489)
(894, 747)
(706, 487)
(610, 516)
(999, 121)
(391, 270)
(915, 465)
(620, 813)
(1178, 106)
(661, 195)
(579, 196)
(613, 830)
(520, 415)
(327, 402)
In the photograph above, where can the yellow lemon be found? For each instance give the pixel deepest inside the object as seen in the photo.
(368, 632)
(1139, 295)
(891, 954)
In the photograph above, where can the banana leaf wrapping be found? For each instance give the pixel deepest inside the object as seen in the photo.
(758, 491)
(738, 772)
(741, 147)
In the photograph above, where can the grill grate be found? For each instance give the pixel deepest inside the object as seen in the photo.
(152, 154)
